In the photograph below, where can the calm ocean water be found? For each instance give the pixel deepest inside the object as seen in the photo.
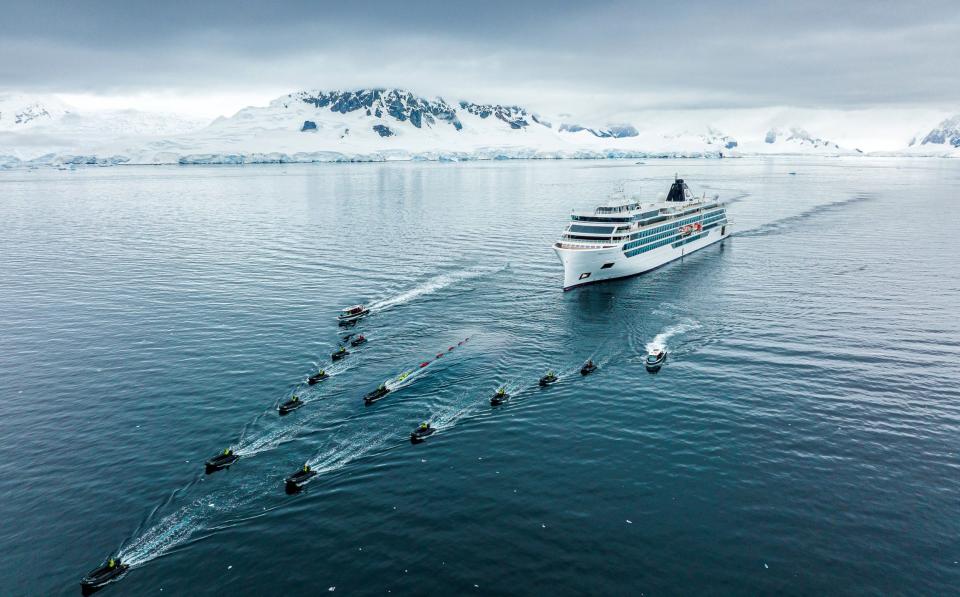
(803, 438)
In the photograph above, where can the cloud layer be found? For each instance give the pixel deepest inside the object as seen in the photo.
(593, 58)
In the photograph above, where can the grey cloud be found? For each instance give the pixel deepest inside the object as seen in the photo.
(635, 55)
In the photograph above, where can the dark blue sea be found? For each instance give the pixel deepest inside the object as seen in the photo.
(803, 437)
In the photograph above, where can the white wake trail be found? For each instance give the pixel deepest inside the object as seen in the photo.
(660, 340)
(432, 285)
(176, 528)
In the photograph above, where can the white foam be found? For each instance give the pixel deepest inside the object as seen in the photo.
(432, 285)
(174, 529)
(660, 340)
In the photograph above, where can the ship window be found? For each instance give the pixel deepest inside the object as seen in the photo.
(584, 275)
(591, 229)
(607, 265)
(605, 219)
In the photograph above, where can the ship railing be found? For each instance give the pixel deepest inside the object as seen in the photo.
(580, 244)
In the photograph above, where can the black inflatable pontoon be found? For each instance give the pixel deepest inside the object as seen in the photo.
(112, 570)
(499, 397)
(221, 461)
(421, 433)
(297, 480)
(290, 405)
(548, 379)
(375, 395)
(339, 354)
(317, 377)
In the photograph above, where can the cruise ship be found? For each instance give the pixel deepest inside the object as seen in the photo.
(626, 237)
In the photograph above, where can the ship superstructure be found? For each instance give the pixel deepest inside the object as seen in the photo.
(626, 237)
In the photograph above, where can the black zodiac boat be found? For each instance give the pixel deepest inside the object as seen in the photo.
(297, 480)
(421, 433)
(381, 391)
(317, 377)
(499, 397)
(548, 379)
(655, 360)
(588, 368)
(112, 570)
(339, 354)
(358, 340)
(221, 461)
(290, 405)
(351, 314)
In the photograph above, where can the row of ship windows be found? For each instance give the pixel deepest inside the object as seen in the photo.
(714, 216)
(689, 239)
(647, 235)
(595, 219)
(629, 251)
(591, 229)
(674, 225)
(605, 239)
(637, 243)
(649, 247)
(610, 219)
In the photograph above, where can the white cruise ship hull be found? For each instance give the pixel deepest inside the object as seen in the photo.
(586, 266)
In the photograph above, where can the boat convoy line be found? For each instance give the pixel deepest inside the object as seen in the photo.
(617, 233)
(114, 569)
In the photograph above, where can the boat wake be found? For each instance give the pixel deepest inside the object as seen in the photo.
(251, 443)
(660, 340)
(340, 453)
(788, 222)
(433, 285)
(406, 378)
(176, 528)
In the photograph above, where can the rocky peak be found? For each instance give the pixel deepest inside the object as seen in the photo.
(947, 131)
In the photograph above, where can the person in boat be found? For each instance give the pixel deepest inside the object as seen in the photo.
(112, 563)
(321, 373)
(424, 426)
(227, 452)
(306, 468)
(501, 391)
(342, 349)
(550, 373)
(589, 363)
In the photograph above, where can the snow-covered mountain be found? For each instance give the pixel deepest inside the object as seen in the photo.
(22, 112)
(942, 140)
(367, 125)
(797, 137)
(46, 129)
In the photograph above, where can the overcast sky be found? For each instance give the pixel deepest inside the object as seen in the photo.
(590, 58)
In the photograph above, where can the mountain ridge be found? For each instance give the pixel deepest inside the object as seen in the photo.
(376, 124)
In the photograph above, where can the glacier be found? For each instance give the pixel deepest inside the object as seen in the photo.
(374, 125)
